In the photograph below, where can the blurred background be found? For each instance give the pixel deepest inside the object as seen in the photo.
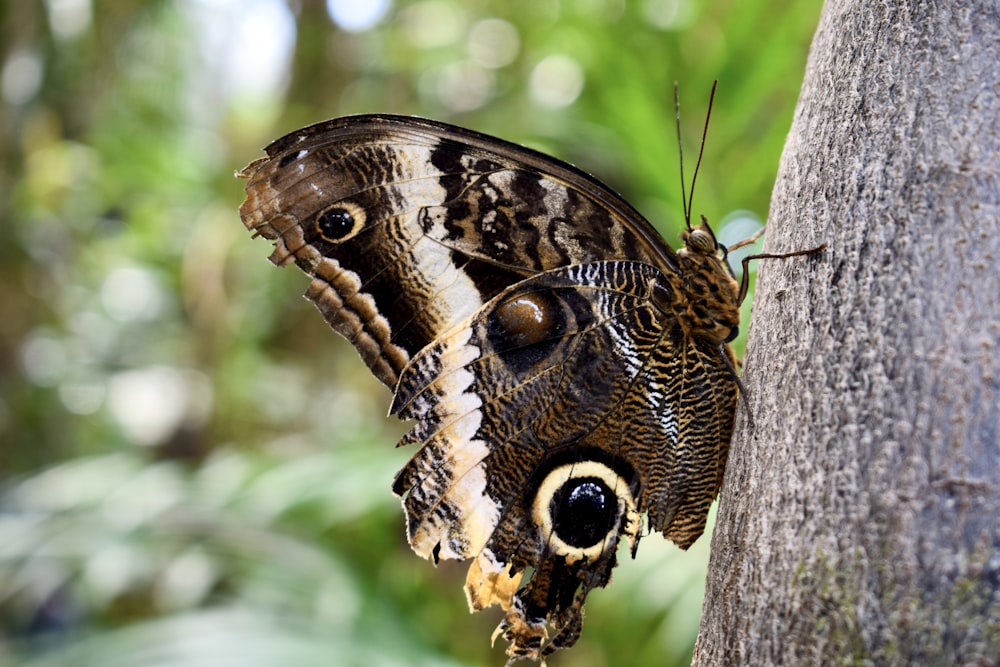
(193, 469)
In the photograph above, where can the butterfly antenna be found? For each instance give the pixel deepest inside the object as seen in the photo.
(701, 150)
(687, 199)
(680, 155)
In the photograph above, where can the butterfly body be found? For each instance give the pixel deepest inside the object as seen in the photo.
(565, 369)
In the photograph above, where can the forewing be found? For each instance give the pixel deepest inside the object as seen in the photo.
(408, 226)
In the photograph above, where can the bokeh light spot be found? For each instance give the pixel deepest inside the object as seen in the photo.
(69, 18)
(464, 86)
(357, 15)
(668, 14)
(150, 404)
(45, 358)
(556, 81)
(736, 227)
(21, 77)
(433, 24)
(131, 293)
(493, 43)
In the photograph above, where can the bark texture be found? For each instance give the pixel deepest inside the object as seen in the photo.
(860, 518)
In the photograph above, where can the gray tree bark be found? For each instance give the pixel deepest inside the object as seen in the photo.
(860, 517)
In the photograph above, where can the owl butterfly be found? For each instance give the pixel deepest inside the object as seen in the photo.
(567, 372)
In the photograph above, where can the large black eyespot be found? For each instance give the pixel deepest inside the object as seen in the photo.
(584, 512)
(582, 509)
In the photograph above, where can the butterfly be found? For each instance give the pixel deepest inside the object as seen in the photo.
(567, 372)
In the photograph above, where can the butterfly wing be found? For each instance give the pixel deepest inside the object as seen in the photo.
(548, 422)
(536, 328)
(407, 226)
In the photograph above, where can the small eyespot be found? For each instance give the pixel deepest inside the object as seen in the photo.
(340, 222)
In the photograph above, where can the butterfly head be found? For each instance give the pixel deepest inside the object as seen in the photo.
(701, 240)
(704, 296)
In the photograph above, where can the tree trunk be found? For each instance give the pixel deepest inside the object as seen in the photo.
(860, 517)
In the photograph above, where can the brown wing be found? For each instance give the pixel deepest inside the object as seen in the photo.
(407, 226)
(549, 422)
(565, 368)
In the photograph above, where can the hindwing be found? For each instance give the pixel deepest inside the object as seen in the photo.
(541, 444)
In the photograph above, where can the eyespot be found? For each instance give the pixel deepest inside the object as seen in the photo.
(583, 511)
(525, 319)
(526, 328)
(579, 508)
(340, 222)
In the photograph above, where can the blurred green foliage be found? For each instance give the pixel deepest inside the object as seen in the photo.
(193, 469)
